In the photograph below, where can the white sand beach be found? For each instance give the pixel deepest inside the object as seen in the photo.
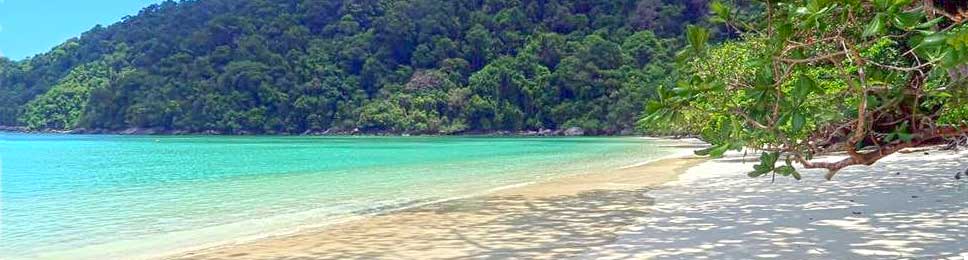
(908, 206)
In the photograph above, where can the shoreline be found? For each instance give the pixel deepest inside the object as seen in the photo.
(906, 206)
(498, 133)
(456, 213)
(261, 229)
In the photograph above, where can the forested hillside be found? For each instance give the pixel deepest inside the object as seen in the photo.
(398, 66)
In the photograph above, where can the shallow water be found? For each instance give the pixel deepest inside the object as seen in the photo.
(67, 196)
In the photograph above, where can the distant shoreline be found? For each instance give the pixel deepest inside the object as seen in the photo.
(165, 132)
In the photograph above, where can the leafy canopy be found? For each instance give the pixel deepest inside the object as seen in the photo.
(809, 77)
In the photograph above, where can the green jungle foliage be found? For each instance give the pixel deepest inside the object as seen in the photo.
(810, 77)
(402, 66)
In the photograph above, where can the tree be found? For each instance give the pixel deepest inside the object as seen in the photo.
(62, 107)
(813, 76)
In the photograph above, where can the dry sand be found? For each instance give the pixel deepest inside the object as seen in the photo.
(908, 206)
(551, 220)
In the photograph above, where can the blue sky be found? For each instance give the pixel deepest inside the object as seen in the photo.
(30, 27)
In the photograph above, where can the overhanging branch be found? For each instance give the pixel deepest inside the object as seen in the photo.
(869, 158)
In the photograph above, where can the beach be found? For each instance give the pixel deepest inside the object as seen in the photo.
(441, 129)
(550, 220)
(907, 206)
(151, 197)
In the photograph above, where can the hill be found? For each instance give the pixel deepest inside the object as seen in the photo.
(407, 66)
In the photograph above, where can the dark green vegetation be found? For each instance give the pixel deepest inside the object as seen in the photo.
(810, 77)
(400, 66)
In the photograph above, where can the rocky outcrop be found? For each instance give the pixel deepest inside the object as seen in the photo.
(143, 131)
(574, 131)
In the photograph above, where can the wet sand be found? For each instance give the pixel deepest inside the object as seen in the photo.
(550, 220)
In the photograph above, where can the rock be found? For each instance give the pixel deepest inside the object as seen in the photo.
(546, 132)
(78, 131)
(142, 131)
(130, 131)
(15, 129)
(95, 131)
(501, 133)
(211, 132)
(311, 132)
(574, 131)
(626, 132)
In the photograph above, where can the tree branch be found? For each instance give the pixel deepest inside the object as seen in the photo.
(882, 151)
(827, 57)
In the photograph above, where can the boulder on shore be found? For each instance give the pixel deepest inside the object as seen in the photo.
(546, 132)
(141, 131)
(574, 131)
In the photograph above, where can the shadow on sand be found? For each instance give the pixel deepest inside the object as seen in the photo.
(908, 207)
(489, 227)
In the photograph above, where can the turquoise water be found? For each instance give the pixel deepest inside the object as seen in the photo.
(129, 197)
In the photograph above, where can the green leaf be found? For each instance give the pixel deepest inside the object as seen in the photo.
(902, 3)
(876, 27)
(908, 20)
(803, 88)
(798, 121)
(757, 172)
(906, 137)
(785, 170)
(721, 10)
(784, 30)
(698, 37)
(718, 151)
(934, 39)
(930, 24)
(767, 164)
(882, 4)
(703, 152)
(890, 137)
